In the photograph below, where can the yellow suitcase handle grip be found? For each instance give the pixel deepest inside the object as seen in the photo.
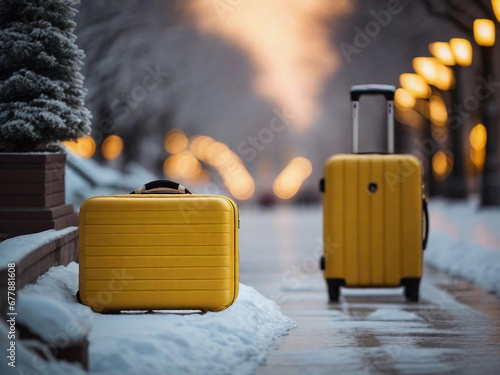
(161, 187)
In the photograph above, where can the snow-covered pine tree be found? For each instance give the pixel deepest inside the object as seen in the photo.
(41, 87)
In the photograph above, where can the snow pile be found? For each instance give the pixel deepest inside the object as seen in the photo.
(465, 259)
(233, 341)
(27, 362)
(465, 241)
(55, 323)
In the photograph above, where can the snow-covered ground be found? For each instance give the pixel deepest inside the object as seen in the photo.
(232, 341)
(465, 241)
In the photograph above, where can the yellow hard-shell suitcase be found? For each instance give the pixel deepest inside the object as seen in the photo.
(374, 214)
(158, 251)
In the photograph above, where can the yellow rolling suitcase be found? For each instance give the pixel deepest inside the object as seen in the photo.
(158, 251)
(374, 213)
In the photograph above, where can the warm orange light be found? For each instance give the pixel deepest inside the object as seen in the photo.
(175, 141)
(228, 164)
(445, 79)
(83, 147)
(426, 67)
(478, 137)
(403, 99)
(435, 73)
(415, 84)
(437, 110)
(478, 157)
(199, 146)
(182, 165)
(484, 32)
(442, 164)
(462, 51)
(291, 178)
(410, 118)
(496, 8)
(442, 52)
(112, 147)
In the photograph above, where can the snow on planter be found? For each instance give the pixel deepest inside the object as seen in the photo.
(232, 341)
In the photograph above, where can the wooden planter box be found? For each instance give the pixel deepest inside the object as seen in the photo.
(32, 197)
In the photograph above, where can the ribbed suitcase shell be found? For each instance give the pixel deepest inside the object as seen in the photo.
(158, 251)
(372, 239)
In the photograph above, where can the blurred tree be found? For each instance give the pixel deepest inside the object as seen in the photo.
(41, 88)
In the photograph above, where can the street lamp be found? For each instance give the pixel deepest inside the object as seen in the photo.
(484, 32)
(442, 52)
(415, 84)
(462, 51)
(484, 35)
(434, 72)
(496, 8)
(404, 99)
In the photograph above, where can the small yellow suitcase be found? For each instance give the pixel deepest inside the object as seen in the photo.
(374, 213)
(158, 251)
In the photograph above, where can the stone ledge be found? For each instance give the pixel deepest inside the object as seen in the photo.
(41, 251)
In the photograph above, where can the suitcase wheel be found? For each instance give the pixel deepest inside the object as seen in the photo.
(411, 289)
(334, 288)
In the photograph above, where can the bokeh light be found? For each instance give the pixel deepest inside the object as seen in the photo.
(437, 110)
(477, 138)
(442, 52)
(112, 147)
(403, 99)
(175, 141)
(484, 32)
(84, 147)
(183, 165)
(415, 84)
(462, 51)
(291, 178)
(442, 164)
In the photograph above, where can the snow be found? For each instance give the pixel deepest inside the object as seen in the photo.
(393, 315)
(86, 178)
(27, 362)
(16, 248)
(465, 241)
(232, 341)
(51, 320)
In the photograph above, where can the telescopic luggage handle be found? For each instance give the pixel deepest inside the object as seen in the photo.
(388, 92)
(161, 187)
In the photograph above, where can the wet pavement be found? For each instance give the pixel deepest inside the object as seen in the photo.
(454, 329)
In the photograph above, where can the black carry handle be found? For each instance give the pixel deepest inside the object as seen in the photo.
(161, 187)
(426, 225)
(373, 89)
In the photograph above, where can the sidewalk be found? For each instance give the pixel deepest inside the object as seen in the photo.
(454, 329)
